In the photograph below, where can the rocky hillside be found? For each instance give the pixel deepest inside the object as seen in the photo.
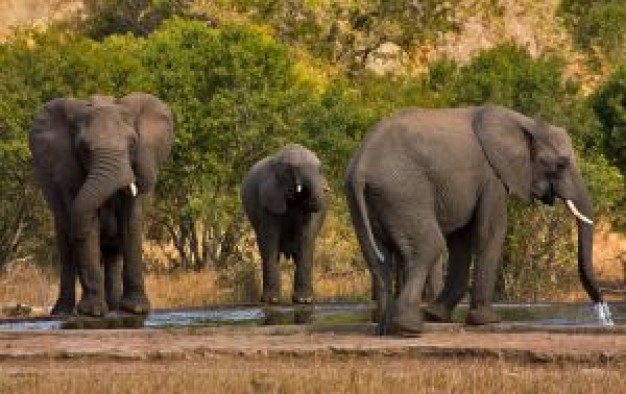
(478, 24)
(40, 12)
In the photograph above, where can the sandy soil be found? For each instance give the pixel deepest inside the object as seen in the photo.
(597, 345)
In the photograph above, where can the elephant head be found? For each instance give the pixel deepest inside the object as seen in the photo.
(535, 160)
(99, 146)
(295, 179)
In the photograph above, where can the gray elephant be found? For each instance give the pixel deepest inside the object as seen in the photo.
(283, 196)
(95, 161)
(427, 180)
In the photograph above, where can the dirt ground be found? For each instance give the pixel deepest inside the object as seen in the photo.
(509, 342)
(309, 359)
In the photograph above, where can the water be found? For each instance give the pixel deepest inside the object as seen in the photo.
(323, 314)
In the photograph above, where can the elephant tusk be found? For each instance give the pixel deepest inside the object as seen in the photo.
(133, 189)
(575, 212)
(298, 188)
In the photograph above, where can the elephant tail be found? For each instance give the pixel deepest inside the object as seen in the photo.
(355, 190)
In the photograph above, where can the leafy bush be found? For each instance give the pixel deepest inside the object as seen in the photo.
(103, 18)
(609, 103)
(597, 25)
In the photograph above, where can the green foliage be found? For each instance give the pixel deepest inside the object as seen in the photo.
(609, 103)
(347, 32)
(139, 17)
(509, 76)
(597, 25)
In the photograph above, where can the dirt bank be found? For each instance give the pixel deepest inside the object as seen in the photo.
(594, 346)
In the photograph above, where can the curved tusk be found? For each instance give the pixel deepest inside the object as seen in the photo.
(298, 188)
(572, 208)
(133, 189)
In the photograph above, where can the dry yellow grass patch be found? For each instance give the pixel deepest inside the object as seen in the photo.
(310, 375)
(24, 282)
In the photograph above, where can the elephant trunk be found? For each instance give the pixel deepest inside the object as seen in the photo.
(316, 196)
(109, 171)
(581, 207)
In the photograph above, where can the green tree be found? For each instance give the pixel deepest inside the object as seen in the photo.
(102, 18)
(597, 25)
(609, 103)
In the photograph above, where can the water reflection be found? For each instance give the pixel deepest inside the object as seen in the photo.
(324, 314)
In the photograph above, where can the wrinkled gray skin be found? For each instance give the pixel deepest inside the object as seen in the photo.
(284, 219)
(427, 180)
(86, 154)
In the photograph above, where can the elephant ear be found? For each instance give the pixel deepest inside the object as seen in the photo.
(51, 142)
(154, 124)
(505, 137)
(271, 192)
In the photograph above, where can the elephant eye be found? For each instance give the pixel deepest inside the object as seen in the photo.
(562, 162)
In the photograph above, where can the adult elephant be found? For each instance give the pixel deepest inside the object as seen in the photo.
(95, 160)
(283, 196)
(427, 180)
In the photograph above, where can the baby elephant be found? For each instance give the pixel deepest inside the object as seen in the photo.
(283, 196)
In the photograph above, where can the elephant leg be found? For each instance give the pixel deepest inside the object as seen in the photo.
(268, 241)
(394, 268)
(400, 275)
(134, 298)
(87, 255)
(490, 232)
(419, 253)
(112, 262)
(66, 300)
(457, 277)
(382, 288)
(302, 279)
(434, 281)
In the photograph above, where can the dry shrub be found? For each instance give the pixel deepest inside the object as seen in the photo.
(22, 281)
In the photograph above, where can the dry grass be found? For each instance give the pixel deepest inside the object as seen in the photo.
(317, 375)
(24, 282)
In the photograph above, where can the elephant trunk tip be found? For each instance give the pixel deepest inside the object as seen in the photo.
(604, 313)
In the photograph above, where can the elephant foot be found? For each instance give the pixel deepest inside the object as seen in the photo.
(137, 304)
(481, 316)
(409, 322)
(63, 308)
(92, 306)
(113, 304)
(269, 298)
(302, 299)
(437, 313)
(385, 325)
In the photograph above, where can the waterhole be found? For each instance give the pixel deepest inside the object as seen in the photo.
(322, 314)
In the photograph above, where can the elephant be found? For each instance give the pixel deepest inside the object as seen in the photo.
(427, 181)
(95, 161)
(283, 196)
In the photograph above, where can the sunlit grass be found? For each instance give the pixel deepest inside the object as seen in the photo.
(23, 282)
(311, 375)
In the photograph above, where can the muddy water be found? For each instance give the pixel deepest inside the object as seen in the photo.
(548, 314)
